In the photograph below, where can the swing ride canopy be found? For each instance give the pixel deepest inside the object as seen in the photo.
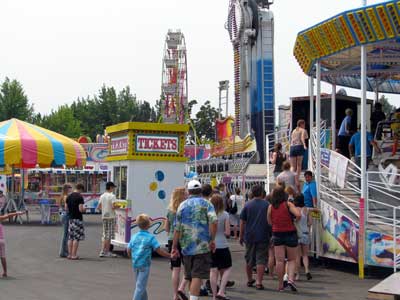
(336, 42)
(24, 145)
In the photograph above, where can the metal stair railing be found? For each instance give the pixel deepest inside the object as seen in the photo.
(383, 215)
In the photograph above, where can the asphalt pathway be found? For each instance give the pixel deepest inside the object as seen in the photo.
(37, 273)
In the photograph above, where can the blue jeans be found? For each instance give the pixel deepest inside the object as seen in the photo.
(142, 276)
(64, 241)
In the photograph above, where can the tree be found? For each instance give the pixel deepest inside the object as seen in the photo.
(205, 122)
(63, 121)
(387, 108)
(13, 102)
(128, 108)
(86, 111)
(190, 107)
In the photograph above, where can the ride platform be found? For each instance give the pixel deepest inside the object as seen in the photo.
(388, 289)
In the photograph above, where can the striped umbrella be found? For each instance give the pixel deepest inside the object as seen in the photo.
(24, 145)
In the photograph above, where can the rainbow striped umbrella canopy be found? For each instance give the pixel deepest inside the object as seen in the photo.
(25, 145)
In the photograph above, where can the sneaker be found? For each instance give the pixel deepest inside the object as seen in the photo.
(109, 254)
(230, 283)
(308, 275)
(285, 284)
(292, 286)
(102, 254)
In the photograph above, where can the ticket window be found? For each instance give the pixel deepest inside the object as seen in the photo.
(120, 180)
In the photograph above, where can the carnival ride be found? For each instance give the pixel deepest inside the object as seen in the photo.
(238, 155)
(358, 48)
(174, 86)
(251, 30)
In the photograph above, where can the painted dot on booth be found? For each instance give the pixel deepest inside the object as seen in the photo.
(160, 175)
(161, 195)
(153, 186)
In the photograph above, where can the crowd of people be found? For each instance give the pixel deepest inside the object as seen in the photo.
(274, 229)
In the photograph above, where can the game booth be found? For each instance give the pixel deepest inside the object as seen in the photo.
(147, 162)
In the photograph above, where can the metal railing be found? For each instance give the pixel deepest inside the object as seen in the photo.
(331, 192)
(383, 215)
(382, 203)
(281, 136)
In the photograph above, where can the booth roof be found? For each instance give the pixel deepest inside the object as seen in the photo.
(336, 43)
(147, 126)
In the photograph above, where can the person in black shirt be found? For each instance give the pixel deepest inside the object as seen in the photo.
(76, 231)
(377, 116)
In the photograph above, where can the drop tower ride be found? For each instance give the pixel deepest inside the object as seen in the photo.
(251, 30)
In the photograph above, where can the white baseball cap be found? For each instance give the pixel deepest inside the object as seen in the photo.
(193, 185)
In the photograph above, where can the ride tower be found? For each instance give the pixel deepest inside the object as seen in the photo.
(251, 30)
(174, 86)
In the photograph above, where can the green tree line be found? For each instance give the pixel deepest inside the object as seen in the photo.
(91, 115)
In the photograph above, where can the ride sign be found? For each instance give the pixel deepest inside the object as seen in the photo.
(157, 143)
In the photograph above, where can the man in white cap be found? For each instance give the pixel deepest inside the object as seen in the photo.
(196, 226)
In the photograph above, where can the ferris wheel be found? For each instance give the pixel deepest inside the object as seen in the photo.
(174, 87)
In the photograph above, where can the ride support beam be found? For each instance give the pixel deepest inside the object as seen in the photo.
(364, 191)
(333, 117)
(311, 121)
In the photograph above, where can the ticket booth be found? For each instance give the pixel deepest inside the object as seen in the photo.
(147, 162)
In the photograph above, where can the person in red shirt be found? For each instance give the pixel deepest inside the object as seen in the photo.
(280, 215)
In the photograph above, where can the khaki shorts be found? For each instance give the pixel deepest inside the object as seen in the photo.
(197, 266)
(256, 254)
(108, 229)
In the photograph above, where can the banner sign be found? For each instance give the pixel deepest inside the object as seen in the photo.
(337, 166)
(339, 236)
(96, 153)
(325, 157)
(119, 145)
(122, 226)
(157, 143)
(197, 152)
(380, 250)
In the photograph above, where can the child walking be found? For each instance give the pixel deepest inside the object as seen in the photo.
(303, 225)
(140, 248)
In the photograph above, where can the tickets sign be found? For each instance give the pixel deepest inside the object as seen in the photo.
(157, 143)
(119, 145)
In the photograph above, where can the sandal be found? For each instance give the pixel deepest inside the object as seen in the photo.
(251, 283)
(75, 258)
(260, 287)
(219, 297)
(182, 296)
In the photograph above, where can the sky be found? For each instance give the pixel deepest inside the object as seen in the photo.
(61, 50)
